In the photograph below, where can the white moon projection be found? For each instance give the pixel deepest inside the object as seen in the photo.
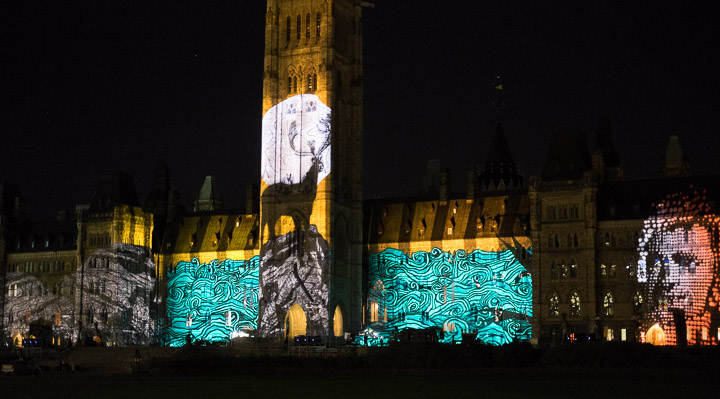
(294, 132)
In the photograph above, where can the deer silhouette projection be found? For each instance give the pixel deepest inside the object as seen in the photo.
(299, 197)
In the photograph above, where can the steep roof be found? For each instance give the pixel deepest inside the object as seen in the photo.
(499, 170)
(568, 157)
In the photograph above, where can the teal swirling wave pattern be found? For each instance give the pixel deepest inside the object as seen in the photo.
(485, 294)
(211, 301)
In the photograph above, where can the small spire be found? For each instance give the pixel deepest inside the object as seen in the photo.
(498, 101)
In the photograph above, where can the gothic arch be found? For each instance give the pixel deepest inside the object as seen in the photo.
(295, 322)
(338, 322)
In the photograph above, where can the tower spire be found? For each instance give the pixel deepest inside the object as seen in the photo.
(498, 100)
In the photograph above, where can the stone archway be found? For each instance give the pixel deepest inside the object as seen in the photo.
(655, 335)
(295, 322)
(338, 329)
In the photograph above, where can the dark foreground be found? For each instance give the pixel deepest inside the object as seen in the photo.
(592, 371)
(495, 383)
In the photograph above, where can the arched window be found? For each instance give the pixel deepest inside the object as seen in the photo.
(637, 303)
(557, 243)
(295, 84)
(575, 240)
(563, 269)
(550, 241)
(569, 241)
(553, 270)
(573, 269)
(318, 19)
(288, 29)
(298, 28)
(575, 304)
(554, 305)
(608, 302)
(307, 26)
(289, 84)
(612, 271)
(603, 270)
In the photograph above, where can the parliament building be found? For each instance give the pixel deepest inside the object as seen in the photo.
(575, 253)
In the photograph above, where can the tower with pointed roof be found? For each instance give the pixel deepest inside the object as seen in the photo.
(311, 190)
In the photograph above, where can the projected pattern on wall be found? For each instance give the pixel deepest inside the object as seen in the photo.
(484, 293)
(294, 132)
(296, 158)
(212, 301)
(678, 269)
(114, 307)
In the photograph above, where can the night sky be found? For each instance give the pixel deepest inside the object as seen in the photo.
(122, 86)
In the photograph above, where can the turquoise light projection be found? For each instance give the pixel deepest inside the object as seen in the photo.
(211, 301)
(485, 294)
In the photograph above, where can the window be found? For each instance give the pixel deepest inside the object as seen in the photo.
(564, 270)
(554, 305)
(623, 334)
(607, 240)
(290, 85)
(575, 240)
(573, 269)
(298, 27)
(608, 302)
(575, 304)
(603, 271)
(318, 19)
(287, 30)
(553, 270)
(307, 26)
(612, 271)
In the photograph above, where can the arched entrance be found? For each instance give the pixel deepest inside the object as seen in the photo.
(338, 322)
(655, 335)
(295, 322)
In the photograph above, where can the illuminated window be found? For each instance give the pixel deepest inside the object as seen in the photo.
(318, 19)
(553, 270)
(609, 334)
(575, 304)
(554, 305)
(573, 269)
(298, 28)
(623, 334)
(608, 302)
(307, 26)
(287, 29)
(563, 269)
(637, 302)
(603, 270)
(607, 240)
(612, 271)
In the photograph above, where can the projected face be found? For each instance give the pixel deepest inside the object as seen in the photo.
(677, 265)
(295, 132)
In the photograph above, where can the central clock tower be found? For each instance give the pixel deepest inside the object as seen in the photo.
(311, 189)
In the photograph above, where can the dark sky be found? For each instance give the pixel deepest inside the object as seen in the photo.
(99, 87)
